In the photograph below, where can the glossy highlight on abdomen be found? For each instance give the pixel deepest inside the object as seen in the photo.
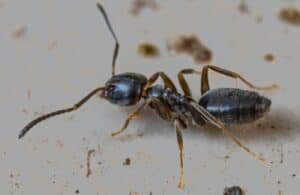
(235, 106)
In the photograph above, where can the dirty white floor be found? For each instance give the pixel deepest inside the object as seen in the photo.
(64, 51)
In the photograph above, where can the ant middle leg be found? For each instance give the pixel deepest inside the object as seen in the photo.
(183, 84)
(180, 145)
(205, 83)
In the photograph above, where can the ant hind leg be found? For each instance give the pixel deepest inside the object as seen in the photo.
(205, 83)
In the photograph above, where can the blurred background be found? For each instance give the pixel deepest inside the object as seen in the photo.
(54, 52)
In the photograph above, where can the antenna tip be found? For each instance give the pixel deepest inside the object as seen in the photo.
(22, 134)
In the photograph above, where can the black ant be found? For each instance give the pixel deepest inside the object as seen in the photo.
(218, 107)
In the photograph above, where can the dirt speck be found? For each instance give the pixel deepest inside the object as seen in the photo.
(25, 111)
(19, 33)
(138, 5)
(226, 157)
(290, 15)
(60, 143)
(88, 163)
(191, 45)
(269, 57)
(294, 175)
(243, 7)
(52, 45)
(29, 94)
(234, 190)
(77, 191)
(127, 162)
(148, 50)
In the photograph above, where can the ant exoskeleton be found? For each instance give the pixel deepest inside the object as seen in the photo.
(219, 106)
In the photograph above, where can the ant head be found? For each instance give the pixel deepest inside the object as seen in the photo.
(124, 89)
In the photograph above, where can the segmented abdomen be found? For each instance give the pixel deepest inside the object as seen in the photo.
(235, 106)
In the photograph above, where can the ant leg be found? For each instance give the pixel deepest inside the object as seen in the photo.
(216, 122)
(58, 112)
(110, 28)
(180, 145)
(131, 117)
(167, 81)
(205, 84)
(184, 86)
(161, 109)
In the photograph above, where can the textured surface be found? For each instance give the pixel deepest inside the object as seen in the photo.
(54, 52)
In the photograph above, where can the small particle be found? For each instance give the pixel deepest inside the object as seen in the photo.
(259, 18)
(269, 57)
(99, 163)
(148, 50)
(88, 163)
(243, 7)
(273, 127)
(24, 111)
(234, 190)
(290, 15)
(18, 185)
(294, 175)
(127, 162)
(77, 191)
(278, 182)
(139, 5)
(190, 44)
(29, 94)
(60, 143)
(11, 175)
(227, 157)
(19, 33)
(52, 45)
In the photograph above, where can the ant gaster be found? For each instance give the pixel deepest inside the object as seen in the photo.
(218, 107)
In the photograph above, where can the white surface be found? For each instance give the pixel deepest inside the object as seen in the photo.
(58, 77)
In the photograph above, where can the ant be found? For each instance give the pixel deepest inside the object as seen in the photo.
(219, 107)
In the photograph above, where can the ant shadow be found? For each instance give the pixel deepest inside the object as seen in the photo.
(281, 124)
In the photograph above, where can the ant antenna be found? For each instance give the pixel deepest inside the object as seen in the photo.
(58, 112)
(116, 51)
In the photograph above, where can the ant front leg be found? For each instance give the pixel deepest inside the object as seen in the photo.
(167, 81)
(131, 117)
(205, 83)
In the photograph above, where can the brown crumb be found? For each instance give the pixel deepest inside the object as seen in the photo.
(234, 190)
(19, 33)
(139, 5)
(269, 57)
(127, 162)
(191, 45)
(148, 50)
(88, 163)
(290, 15)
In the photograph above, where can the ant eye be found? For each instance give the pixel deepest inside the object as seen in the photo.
(111, 88)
